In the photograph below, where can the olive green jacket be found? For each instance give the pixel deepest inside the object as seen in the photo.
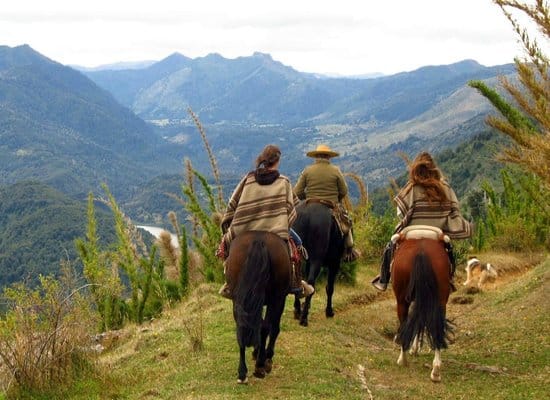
(321, 180)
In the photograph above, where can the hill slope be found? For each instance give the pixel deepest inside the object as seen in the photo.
(60, 128)
(351, 356)
(38, 226)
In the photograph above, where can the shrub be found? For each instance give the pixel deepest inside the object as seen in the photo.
(44, 334)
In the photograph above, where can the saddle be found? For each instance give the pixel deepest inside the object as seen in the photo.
(420, 232)
(340, 214)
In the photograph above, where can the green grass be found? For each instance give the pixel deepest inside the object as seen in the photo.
(505, 330)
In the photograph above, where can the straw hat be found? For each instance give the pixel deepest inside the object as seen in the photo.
(322, 149)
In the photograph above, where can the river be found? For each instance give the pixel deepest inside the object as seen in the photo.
(155, 231)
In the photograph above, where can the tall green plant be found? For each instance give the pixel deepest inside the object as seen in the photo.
(208, 237)
(527, 122)
(143, 270)
(514, 220)
(105, 285)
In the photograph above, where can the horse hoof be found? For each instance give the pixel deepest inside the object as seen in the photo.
(259, 373)
(242, 381)
(329, 313)
(268, 365)
(303, 322)
(435, 376)
(402, 362)
(297, 314)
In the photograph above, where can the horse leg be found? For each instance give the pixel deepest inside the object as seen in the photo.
(275, 325)
(305, 311)
(297, 307)
(402, 360)
(259, 370)
(332, 271)
(242, 366)
(402, 314)
(415, 346)
(435, 376)
(313, 270)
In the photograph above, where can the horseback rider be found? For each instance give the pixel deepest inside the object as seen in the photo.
(426, 199)
(263, 201)
(324, 182)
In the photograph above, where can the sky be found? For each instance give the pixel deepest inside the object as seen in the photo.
(338, 37)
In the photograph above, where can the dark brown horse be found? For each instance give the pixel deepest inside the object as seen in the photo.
(258, 269)
(325, 244)
(420, 275)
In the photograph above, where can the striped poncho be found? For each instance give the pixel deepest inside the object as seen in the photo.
(269, 206)
(416, 210)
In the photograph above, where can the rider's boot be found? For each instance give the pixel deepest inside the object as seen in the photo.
(381, 281)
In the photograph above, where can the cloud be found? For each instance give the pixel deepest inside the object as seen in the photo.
(346, 37)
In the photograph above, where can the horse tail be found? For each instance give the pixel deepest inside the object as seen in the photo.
(427, 316)
(249, 294)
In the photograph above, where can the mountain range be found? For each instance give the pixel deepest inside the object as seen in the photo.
(246, 102)
(260, 90)
(73, 130)
(59, 127)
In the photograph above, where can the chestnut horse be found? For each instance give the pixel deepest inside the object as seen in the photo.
(258, 269)
(420, 276)
(325, 245)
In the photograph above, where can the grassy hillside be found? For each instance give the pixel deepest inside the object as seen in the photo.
(501, 347)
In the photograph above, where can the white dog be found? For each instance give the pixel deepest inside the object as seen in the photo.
(487, 271)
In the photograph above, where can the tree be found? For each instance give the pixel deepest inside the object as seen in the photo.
(528, 123)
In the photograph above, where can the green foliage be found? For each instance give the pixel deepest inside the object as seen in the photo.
(514, 116)
(515, 220)
(44, 334)
(207, 239)
(372, 232)
(38, 229)
(143, 271)
(106, 287)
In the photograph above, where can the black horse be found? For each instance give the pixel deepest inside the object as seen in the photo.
(325, 244)
(258, 268)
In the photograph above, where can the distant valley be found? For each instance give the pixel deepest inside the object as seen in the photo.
(74, 130)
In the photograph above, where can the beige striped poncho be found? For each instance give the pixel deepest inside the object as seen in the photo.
(415, 210)
(267, 207)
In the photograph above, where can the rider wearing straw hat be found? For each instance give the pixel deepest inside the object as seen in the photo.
(323, 181)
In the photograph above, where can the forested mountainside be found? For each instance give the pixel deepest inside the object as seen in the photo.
(58, 127)
(38, 227)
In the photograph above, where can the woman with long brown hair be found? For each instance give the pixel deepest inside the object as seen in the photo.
(426, 199)
(262, 201)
